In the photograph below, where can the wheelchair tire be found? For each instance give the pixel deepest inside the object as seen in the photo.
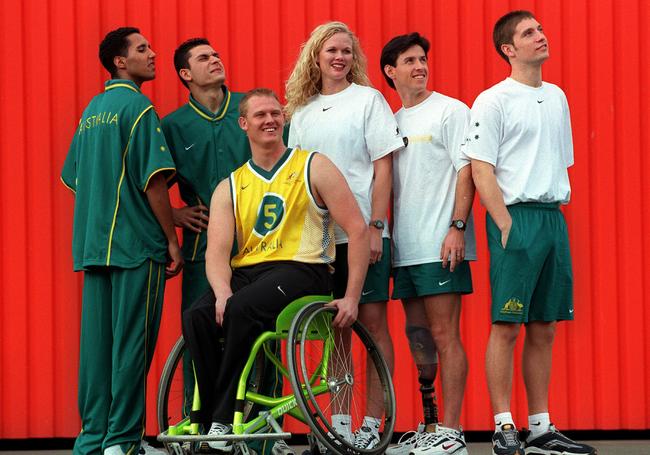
(307, 338)
(171, 402)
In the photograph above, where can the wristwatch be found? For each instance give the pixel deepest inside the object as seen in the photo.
(458, 224)
(378, 224)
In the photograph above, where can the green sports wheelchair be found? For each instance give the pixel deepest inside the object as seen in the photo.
(328, 372)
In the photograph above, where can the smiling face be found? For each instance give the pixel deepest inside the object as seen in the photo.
(263, 120)
(139, 64)
(335, 59)
(529, 46)
(410, 73)
(205, 67)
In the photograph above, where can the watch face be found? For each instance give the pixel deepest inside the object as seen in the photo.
(459, 224)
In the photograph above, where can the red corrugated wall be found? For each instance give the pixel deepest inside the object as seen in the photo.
(50, 71)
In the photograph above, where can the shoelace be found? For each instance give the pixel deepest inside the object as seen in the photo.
(511, 436)
(218, 428)
(428, 439)
(363, 437)
(411, 435)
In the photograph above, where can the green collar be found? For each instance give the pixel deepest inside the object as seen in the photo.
(268, 175)
(122, 83)
(205, 112)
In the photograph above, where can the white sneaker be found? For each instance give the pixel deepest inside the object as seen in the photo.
(113, 450)
(146, 449)
(365, 438)
(282, 448)
(219, 429)
(407, 442)
(445, 441)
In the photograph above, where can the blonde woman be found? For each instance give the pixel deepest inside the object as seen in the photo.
(333, 110)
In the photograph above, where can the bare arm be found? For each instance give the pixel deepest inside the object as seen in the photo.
(382, 184)
(492, 197)
(220, 240)
(331, 189)
(454, 244)
(159, 201)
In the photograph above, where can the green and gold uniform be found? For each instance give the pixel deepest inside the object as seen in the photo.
(118, 243)
(261, 202)
(285, 245)
(206, 148)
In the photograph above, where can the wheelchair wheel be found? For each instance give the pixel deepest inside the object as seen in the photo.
(329, 378)
(173, 405)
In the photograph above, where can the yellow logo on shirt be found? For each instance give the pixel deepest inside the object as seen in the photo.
(100, 119)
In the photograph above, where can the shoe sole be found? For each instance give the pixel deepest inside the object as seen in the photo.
(462, 452)
(519, 452)
(536, 451)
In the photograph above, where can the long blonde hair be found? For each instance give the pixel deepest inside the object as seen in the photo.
(305, 80)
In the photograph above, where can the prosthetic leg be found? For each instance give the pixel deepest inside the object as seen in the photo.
(425, 355)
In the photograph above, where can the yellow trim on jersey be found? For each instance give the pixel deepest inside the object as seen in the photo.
(146, 339)
(119, 185)
(146, 185)
(207, 117)
(121, 85)
(198, 235)
(67, 186)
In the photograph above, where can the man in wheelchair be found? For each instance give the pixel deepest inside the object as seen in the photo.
(281, 206)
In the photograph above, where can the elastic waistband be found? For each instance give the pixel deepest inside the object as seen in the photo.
(536, 205)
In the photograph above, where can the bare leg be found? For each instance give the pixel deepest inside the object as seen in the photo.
(443, 312)
(499, 364)
(373, 317)
(536, 365)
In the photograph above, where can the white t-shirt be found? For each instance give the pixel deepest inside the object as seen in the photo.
(424, 180)
(353, 128)
(525, 133)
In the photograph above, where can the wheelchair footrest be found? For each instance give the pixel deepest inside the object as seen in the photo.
(165, 437)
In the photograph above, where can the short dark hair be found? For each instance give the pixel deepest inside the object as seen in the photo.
(398, 45)
(182, 55)
(243, 103)
(504, 29)
(115, 43)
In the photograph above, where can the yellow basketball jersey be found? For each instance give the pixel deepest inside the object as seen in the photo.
(276, 215)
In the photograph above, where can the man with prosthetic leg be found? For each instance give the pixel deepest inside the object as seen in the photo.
(433, 235)
(281, 205)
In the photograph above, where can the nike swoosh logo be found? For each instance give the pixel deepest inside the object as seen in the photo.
(571, 310)
(187, 148)
(444, 447)
(537, 424)
(243, 187)
(280, 289)
(364, 293)
(327, 108)
(540, 101)
(442, 283)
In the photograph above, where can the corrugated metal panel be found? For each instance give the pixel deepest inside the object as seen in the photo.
(50, 71)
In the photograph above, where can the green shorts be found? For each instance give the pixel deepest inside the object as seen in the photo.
(531, 277)
(431, 279)
(375, 288)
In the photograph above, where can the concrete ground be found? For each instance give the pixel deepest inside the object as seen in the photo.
(636, 447)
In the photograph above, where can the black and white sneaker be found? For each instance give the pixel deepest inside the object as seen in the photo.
(365, 438)
(555, 443)
(219, 429)
(506, 441)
